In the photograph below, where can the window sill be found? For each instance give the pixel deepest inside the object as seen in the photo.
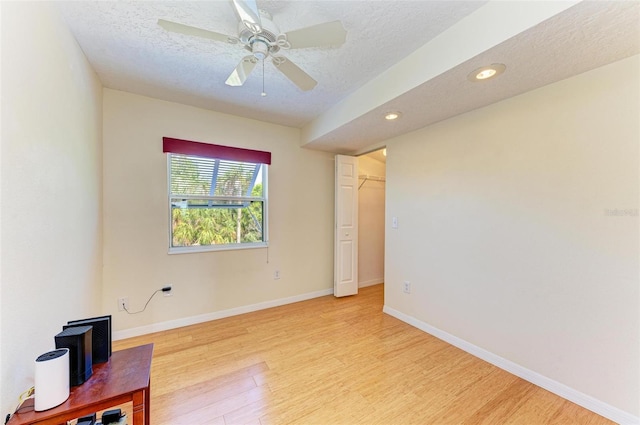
(212, 248)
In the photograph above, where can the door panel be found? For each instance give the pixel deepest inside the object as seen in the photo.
(346, 230)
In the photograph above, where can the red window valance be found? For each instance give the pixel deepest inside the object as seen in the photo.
(207, 150)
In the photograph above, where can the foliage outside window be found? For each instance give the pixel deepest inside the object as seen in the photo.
(216, 203)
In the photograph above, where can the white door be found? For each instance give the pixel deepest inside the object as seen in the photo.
(345, 275)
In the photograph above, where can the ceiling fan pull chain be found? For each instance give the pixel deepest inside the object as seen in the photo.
(263, 94)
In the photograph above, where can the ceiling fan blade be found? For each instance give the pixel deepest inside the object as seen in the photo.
(295, 74)
(327, 34)
(198, 32)
(242, 71)
(248, 14)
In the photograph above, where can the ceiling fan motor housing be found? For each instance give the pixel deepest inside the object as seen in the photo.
(262, 43)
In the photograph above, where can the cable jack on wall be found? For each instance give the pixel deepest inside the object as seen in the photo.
(123, 303)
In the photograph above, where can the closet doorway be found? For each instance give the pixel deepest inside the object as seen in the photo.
(371, 218)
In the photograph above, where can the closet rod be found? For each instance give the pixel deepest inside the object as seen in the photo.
(366, 177)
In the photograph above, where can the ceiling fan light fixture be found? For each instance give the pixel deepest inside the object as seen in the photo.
(486, 72)
(392, 116)
(259, 48)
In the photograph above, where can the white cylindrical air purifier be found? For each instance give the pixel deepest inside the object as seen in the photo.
(52, 379)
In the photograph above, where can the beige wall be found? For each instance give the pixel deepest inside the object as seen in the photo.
(510, 242)
(509, 239)
(51, 179)
(136, 217)
(370, 223)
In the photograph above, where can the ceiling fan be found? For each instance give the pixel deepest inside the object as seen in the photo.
(258, 34)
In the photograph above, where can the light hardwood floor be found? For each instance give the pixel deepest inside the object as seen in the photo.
(334, 361)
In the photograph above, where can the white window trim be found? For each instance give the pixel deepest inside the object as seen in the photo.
(219, 247)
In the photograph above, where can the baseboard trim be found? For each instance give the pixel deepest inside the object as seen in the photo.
(186, 321)
(584, 400)
(370, 282)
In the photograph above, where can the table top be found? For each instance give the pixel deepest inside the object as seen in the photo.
(126, 372)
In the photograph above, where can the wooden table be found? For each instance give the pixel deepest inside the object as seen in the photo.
(124, 378)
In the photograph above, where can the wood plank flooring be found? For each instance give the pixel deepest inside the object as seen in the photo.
(334, 361)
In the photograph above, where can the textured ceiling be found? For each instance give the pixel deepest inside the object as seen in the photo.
(589, 35)
(130, 52)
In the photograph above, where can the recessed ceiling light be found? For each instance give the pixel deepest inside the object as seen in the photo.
(486, 72)
(390, 116)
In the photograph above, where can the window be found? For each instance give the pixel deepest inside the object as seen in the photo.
(217, 196)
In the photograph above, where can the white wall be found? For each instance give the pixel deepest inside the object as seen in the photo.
(508, 238)
(51, 247)
(136, 216)
(370, 223)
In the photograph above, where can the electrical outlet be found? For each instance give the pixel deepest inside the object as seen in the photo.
(276, 275)
(169, 292)
(123, 303)
(406, 287)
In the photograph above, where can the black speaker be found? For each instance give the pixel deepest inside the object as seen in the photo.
(101, 345)
(78, 341)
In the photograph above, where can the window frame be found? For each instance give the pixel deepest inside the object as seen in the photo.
(219, 247)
